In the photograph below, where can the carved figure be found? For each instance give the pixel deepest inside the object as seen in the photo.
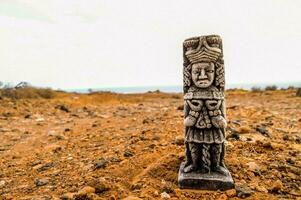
(204, 114)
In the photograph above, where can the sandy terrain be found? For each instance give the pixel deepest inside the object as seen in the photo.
(110, 146)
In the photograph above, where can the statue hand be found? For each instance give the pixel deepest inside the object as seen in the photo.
(191, 118)
(219, 122)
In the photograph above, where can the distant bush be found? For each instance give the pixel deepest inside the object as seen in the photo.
(298, 92)
(256, 89)
(271, 87)
(24, 91)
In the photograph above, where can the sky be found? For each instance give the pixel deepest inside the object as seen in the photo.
(71, 44)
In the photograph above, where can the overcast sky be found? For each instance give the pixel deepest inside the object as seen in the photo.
(92, 43)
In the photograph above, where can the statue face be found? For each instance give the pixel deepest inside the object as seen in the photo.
(202, 74)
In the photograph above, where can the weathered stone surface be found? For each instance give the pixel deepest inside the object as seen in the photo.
(204, 115)
(212, 181)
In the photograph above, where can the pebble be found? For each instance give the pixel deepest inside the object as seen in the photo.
(252, 166)
(231, 193)
(164, 195)
(67, 196)
(179, 140)
(243, 191)
(2, 183)
(277, 186)
(222, 197)
(261, 189)
(128, 153)
(56, 135)
(40, 120)
(101, 164)
(86, 190)
(41, 182)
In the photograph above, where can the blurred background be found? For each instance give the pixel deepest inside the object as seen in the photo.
(136, 46)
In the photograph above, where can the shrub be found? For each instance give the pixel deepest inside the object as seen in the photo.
(256, 89)
(271, 87)
(26, 92)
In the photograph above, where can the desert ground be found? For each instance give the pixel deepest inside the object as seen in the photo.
(129, 146)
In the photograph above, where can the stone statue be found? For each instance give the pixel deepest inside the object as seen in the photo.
(204, 115)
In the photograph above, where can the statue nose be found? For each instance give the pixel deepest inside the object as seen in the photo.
(203, 74)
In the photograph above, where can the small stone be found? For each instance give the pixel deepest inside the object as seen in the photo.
(179, 140)
(40, 119)
(252, 166)
(286, 137)
(62, 108)
(261, 189)
(243, 191)
(277, 186)
(164, 195)
(2, 183)
(128, 153)
(263, 130)
(41, 168)
(100, 185)
(41, 182)
(86, 190)
(67, 196)
(101, 164)
(180, 107)
(56, 135)
(231, 193)
(222, 197)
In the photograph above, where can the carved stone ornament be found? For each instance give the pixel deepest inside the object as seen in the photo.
(204, 115)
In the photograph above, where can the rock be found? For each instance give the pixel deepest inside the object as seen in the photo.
(128, 153)
(261, 189)
(62, 108)
(67, 196)
(252, 166)
(180, 107)
(164, 195)
(2, 183)
(277, 186)
(86, 190)
(263, 130)
(231, 193)
(101, 164)
(40, 119)
(56, 135)
(67, 129)
(286, 137)
(100, 185)
(41, 167)
(41, 182)
(234, 135)
(179, 140)
(222, 197)
(243, 191)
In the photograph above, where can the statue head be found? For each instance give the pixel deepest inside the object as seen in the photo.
(203, 62)
(202, 74)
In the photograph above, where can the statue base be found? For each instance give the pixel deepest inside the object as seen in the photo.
(197, 180)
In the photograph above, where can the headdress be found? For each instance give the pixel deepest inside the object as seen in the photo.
(203, 52)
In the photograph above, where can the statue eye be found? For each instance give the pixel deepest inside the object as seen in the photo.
(210, 71)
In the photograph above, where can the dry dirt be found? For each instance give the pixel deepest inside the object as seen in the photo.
(112, 146)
